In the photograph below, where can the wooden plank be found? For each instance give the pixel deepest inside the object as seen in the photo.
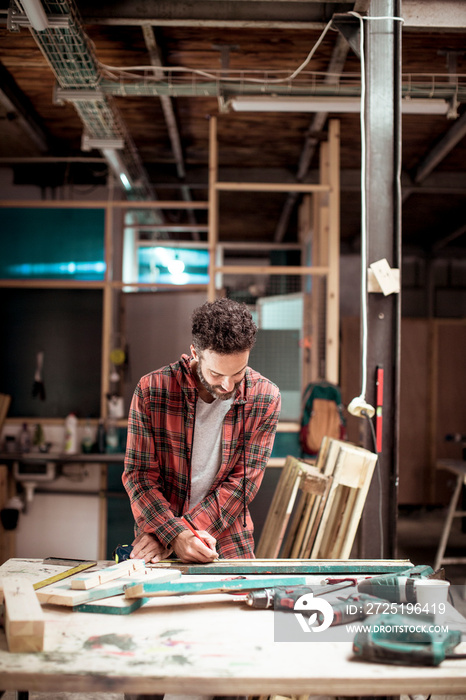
(357, 510)
(153, 588)
(267, 546)
(313, 487)
(65, 595)
(116, 605)
(332, 315)
(291, 566)
(314, 521)
(295, 522)
(353, 467)
(96, 578)
(270, 187)
(24, 619)
(304, 515)
(286, 516)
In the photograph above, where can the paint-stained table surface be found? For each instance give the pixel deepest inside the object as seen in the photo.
(210, 644)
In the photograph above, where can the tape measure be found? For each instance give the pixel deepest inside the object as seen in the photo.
(122, 552)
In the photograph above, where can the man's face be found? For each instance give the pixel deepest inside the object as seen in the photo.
(219, 374)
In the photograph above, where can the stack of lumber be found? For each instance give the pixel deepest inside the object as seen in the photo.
(23, 615)
(316, 509)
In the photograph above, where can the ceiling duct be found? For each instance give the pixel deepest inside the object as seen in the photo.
(72, 60)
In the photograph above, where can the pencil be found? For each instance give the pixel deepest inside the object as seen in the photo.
(195, 533)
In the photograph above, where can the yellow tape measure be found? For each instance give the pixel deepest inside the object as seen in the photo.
(64, 574)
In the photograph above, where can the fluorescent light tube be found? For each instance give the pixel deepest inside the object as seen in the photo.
(35, 14)
(115, 161)
(328, 104)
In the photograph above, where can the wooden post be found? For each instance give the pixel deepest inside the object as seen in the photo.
(306, 233)
(333, 278)
(24, 619)
(213, 206)
(107, 304)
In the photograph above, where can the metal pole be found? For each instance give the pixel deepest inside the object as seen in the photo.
(383, 129)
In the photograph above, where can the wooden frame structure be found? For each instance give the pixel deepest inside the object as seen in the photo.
(315, 511)
(325, 235)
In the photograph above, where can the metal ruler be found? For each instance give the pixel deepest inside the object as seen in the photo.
(79, 566)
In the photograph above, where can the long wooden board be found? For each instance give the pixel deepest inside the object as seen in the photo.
(154, 588)
(291, 566)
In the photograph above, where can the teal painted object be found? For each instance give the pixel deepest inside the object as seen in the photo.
(407, 640)
(150, 588)
(121, 606)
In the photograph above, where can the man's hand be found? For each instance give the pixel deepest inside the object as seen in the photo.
(148, 547)
(189, 548)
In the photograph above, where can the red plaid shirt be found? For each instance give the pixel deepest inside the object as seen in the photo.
(158, 457)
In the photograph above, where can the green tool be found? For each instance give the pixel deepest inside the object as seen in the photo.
(406, 640)
(398, 587)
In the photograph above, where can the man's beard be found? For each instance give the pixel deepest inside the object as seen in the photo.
(213, 389)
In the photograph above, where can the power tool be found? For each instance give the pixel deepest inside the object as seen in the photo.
(284, 597)
(407, 640)
(398, 588)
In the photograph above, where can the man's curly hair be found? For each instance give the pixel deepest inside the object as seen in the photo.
(224, 326)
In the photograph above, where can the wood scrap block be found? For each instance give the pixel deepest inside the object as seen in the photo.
(96, 578)
(24, 619)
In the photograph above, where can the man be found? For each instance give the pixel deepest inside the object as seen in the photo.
(200, 432)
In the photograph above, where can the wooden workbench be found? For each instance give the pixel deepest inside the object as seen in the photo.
(204, 645)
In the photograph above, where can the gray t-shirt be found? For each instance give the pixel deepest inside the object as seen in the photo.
(207, 446)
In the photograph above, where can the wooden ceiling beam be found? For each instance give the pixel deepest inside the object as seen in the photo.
(19, 109)
(291, 14)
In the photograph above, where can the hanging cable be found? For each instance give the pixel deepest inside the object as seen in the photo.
(125, 72)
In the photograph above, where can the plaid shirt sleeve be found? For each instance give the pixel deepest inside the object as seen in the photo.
(223, 506)
(142, 477)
